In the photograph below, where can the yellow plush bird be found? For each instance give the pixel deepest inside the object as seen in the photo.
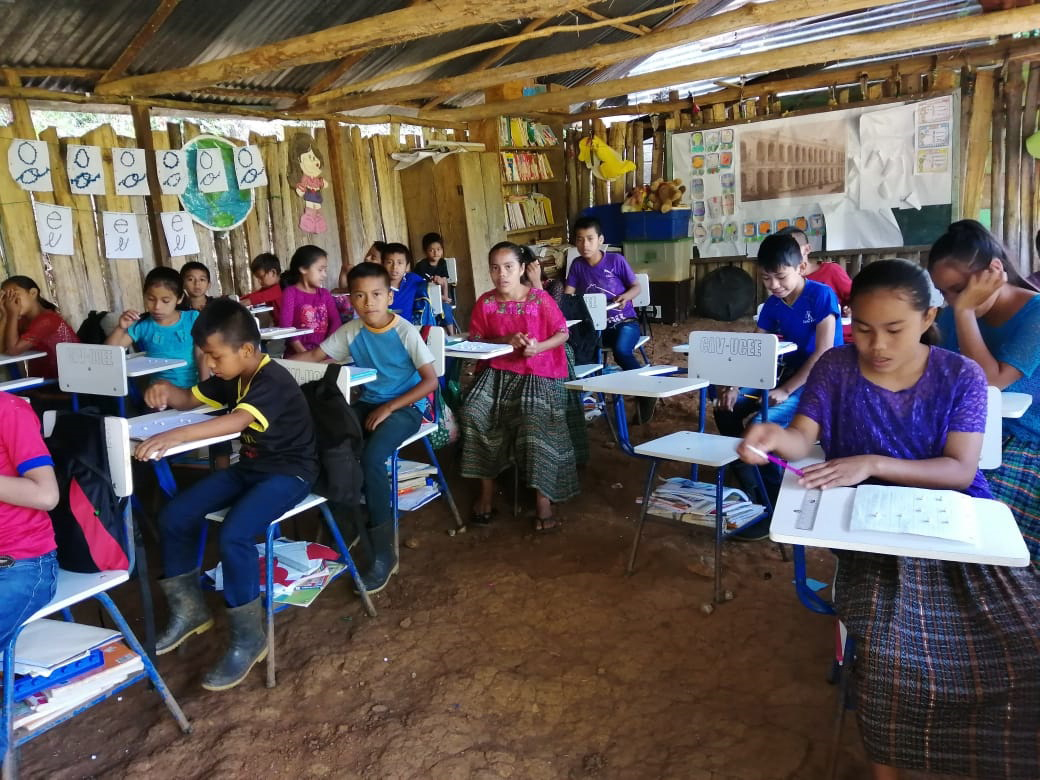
(602, 160)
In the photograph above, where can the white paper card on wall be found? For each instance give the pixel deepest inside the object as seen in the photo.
(171, 165)
(209, 170)
(30, 165)
(249, 167)
(54, 228)
(130, 171)
(180, 233)
(122, 238)
(86, 172)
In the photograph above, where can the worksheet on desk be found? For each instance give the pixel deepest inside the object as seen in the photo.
(141, 429)
(476, 347)
(943, 514)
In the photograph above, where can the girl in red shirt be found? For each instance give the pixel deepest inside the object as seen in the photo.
(30, 322)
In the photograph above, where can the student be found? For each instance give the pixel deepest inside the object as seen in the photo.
(947, 673)
(409, 290)
(305, 301)
(28, 490)
(596, 271)
(391, 406)
(373, 255)
(516, 409)
(830, 274)
(802, 311)
(195, 278)
(277, 465)
(993, 317)
(267, 277)
(30, 322)
(165, 332)
(432, 268)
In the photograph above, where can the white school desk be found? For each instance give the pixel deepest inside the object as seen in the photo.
(572, 323)
(782, 349)
(260, 308)
(142, 365)
(1014, 405)
(148, 425)
(273, 334)
(14, 385)
(1000, 542)
(25, 356)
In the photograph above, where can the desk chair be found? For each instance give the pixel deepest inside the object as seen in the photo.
(74, 588)
(435, 341)
(94, 369)
(641, 303)
(737, 359)
(596, 303)
(302, 372)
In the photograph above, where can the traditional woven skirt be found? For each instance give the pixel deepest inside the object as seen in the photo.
(1017, 484)
(519, 419)
(948, 663)
(576, 423)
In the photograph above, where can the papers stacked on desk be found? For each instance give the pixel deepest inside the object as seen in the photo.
(694, 502)
(478, 347)
(302, 570)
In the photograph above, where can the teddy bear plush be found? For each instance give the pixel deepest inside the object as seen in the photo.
(637, 199)
(666, 195)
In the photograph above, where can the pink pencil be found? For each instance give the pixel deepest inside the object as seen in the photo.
(778, 461)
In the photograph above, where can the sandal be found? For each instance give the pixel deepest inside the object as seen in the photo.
(482, 518)
(546, 525)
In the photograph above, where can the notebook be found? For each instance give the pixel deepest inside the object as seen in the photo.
(942, 514)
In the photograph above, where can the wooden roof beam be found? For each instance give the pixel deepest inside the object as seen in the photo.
(595, 56)
(140, 40)
(948, 31)
(80, 74)
(333, 43)
(629, 28)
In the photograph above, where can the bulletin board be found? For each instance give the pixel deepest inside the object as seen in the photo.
(856, 178)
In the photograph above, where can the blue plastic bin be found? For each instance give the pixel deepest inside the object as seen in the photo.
(609, 217)
(655, 226)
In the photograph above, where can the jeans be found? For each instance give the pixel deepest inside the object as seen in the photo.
(621, 339)
(256, 498)
(24, 588)
(380, 444)
(744, 412)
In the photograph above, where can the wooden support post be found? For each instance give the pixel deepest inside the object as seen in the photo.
(1027, 230)
(143, 134)
(996, 179)
(1013, 90)
(977, 144)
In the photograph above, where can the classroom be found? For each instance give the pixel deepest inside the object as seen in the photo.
(542, 389)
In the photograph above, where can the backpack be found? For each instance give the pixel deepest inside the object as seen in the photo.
(447, 426)
(726, 294)
(340, 439)
(583, 337)
(88, 521)
(91, 330)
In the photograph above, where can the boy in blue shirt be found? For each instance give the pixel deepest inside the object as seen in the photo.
(391, 406)
(798, 310)
(277, 464)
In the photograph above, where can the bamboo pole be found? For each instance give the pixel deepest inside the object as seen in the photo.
(1013, 89)
(1027, 228)
(996, 180)
(977, 143)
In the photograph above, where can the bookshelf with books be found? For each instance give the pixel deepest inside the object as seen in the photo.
(531, 159)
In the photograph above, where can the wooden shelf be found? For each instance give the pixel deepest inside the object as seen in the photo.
(553, 180)
(535, 229)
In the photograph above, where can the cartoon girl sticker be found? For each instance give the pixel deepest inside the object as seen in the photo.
(304, 175)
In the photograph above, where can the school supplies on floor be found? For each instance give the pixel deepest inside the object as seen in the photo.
(297, 566)
(694, 502)
(45, 645)
(943, 514)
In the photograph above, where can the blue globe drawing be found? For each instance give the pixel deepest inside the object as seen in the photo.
(215, 210)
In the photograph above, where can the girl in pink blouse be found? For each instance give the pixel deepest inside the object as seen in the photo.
(515, 412)
(305, 301)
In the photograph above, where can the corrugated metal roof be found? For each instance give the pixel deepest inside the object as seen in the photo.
(93, 34)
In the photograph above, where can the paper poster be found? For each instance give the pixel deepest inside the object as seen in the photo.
(180, 233)
(172, 168)
(130, 171)
(209, 170)
(249, 167)
(29, 163)
(54, 228)
(86, 172)
(122, 239)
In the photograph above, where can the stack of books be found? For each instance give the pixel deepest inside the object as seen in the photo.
(415, 484)
(514, 131)
(525, 166)
(694, 502)
(302, 570)
(527, 211)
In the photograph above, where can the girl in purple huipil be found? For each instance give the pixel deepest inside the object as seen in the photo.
(948, 668)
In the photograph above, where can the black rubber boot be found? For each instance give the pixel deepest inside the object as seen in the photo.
(383, 563)
(189, 614)
(248, 645)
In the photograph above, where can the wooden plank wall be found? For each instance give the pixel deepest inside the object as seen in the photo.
(87, 280)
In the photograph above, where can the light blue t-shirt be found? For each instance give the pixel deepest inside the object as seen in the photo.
(798, 321)
(1017, 343)
(169, 341)
(396, 352)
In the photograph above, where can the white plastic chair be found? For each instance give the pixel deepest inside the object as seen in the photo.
(433, 292)
(93, 369)
(302, 372)
(735, 359)
(74, 588)
(641, 303)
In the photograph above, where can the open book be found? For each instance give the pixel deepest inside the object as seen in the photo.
(943, 514)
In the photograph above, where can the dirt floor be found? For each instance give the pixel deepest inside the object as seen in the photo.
(498, 654)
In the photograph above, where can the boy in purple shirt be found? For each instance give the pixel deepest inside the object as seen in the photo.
(596, 271)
